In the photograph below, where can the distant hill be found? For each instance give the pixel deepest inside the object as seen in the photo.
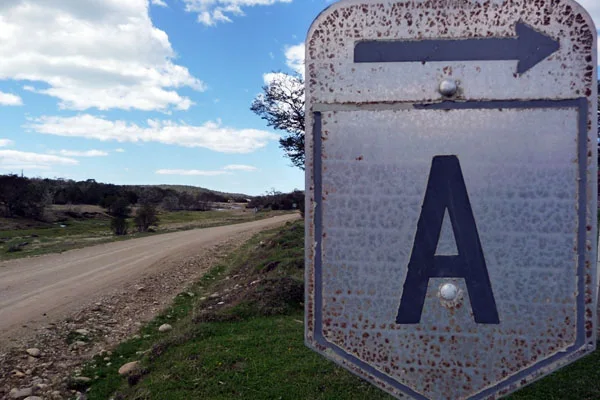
(192, 190)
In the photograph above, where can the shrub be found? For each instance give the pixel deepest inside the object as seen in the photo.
(119, 226)
(146, 217)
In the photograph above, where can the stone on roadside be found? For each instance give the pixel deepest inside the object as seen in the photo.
(165, 328)
(20, 393)
(33, 398)
(82, 379)
(128, 368)
(83, 332)
(34, 352)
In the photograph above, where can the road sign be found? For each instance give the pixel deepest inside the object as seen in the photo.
(451, 192)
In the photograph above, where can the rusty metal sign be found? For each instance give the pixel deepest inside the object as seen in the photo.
(451, 192)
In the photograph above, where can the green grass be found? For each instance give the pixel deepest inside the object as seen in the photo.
(259, 358)
(54, 239)
(252, 347)
(179, 220)
(578, 381)
(78, 233)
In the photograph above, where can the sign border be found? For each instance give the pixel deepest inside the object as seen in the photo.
(515, 381)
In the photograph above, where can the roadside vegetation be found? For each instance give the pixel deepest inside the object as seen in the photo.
(40, 216)
(238, 333)
(80, 226)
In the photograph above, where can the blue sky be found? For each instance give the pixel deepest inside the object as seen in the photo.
(149, 91)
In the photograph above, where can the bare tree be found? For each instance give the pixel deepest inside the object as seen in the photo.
(281, 104)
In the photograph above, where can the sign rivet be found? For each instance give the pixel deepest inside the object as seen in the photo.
(448, 291)
(448, 87)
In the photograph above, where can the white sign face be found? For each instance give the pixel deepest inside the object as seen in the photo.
(451, 193)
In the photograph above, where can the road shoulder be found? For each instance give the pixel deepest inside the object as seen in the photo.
(99, 325)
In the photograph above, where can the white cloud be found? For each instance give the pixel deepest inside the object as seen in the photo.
(13, 160)
(120, 150)
(190, 172)
(294, 58)
(92, 54)
(160, 3)
(236, 167)
(211, 135)
(87, 153)
(6, 142)
(211, 12)
(7, 99)
(286, 79)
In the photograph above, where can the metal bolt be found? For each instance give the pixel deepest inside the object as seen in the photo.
(448, 87)
(448, 291)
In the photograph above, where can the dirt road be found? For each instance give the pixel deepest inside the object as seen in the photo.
(44, 288)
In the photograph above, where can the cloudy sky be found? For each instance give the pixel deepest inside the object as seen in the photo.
(149, 91)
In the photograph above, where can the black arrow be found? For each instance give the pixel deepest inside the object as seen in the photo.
(529, 47)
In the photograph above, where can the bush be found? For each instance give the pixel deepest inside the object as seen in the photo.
(119, 226)
(117, 206)
(146, 217)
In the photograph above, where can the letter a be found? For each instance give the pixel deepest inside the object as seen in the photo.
(446, 190)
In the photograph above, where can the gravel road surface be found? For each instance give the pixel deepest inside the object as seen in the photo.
(42, 289)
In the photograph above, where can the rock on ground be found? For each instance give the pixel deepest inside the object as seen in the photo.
(20, 393)
(34, 352)
(128, 368)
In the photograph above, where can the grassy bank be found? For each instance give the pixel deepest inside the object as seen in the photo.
(29, 238)
(238, 333)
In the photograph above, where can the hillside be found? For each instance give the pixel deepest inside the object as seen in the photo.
(198, 189)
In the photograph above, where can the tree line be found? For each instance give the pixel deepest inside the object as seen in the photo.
(28, 197)
(275, 200)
